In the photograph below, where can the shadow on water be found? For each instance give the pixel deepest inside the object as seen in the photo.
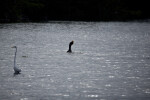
(19, 75)
(75, 53)
(15, 74)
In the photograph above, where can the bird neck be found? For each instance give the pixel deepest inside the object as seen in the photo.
(70, 48)
(15, 58)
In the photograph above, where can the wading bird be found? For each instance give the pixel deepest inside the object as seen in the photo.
(16, 70)
(70, 44)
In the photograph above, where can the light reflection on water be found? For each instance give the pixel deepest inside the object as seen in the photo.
(109, 61)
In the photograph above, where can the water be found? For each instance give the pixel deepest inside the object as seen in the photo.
(110, 61)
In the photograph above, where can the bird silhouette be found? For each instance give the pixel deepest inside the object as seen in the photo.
(16, 70)
(70, 44)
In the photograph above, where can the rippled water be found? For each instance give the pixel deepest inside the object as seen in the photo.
(110, 61)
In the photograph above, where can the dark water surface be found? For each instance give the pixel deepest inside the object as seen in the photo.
(110, 61)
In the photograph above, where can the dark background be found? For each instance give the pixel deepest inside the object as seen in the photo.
(73, 10)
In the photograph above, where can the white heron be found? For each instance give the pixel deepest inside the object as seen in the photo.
(16, 70)
(70, 44)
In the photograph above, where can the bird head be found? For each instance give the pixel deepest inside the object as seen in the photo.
(72, 42)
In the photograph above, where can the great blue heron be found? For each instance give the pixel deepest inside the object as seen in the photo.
(16, 70)
(70, 44)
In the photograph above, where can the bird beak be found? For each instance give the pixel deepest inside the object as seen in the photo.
(13, 47)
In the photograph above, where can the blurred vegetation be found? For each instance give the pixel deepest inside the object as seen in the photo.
(86, 10)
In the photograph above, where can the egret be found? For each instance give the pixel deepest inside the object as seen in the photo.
(16, 70)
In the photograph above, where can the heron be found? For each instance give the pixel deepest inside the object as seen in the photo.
(70, 44)
(16, 70)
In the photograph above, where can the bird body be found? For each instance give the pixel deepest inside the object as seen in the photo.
(16, 70)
